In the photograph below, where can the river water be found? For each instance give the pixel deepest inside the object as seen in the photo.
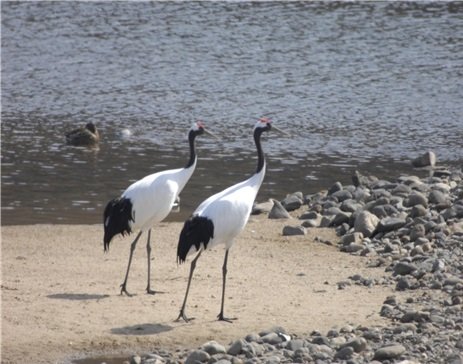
(358, 85)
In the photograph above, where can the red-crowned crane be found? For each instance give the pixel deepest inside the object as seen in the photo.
(146, 202)
(220, 218)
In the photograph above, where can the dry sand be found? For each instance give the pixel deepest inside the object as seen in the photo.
(60, 292)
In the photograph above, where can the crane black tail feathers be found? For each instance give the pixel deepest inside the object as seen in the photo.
(197, 230)
(116, 219)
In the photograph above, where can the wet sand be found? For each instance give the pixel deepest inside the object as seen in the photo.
(60, 292)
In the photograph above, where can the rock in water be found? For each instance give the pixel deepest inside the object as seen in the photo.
(278, 211)
(428, 159)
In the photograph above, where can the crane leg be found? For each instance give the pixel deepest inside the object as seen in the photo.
(132, 248)
(148, 252)
(182, 310)
(224, 274)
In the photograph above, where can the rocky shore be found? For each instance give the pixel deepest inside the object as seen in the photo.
(413, 227)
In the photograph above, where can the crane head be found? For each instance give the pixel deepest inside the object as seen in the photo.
(265, 124)
(199, 128)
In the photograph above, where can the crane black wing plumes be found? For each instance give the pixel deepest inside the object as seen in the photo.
(197, 230)
(117, 217)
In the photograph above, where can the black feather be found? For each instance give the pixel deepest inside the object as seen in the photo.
(116, 219)
(197, 230)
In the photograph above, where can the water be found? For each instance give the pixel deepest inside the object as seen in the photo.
(358, 85)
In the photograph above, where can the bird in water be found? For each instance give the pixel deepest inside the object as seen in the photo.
(148, 201)
(221, 217)
(87, 135)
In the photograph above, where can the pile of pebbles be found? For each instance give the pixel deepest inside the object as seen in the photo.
(413, 227)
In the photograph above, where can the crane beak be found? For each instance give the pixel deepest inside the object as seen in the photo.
(280, 131)
(211, 134)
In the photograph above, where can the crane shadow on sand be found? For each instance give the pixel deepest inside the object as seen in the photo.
(141, 329)
(77, 296)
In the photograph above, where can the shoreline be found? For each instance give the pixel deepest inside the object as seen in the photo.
(56, 277)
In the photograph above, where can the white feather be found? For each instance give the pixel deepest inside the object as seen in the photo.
(153, 196)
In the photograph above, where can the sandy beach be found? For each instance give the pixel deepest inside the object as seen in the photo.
(61, 301)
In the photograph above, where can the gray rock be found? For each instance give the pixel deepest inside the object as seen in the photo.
(252, 337)
(335, 188)
(416, 198)
(437, 197)
(359, 344)
(344, 353)
(292, 202)
(310, 215)
(272, 338)
(350, 206)
(427, 159)
(135, 359)
(237, 347)
(389, 224)
(356, 238)
(197, 356)
(341, 218)
(295, 344)
(342, 195)
(418, 231)
(278, 211)
(389, 352)
(213, 347)
(261, 208)
(294, 230)
(273, 360)
(366, 223)
(415, 316)
(418, 210)
(326, 221)
(404, 268)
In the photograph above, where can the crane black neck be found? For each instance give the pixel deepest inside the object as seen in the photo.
(191, 140)
(260, 153)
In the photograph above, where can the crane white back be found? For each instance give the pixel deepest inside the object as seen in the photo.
(221, 217)
(148, 201)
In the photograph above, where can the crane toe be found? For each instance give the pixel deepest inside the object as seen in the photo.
(221, 317)
(183, 317)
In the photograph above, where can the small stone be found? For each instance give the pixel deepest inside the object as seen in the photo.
(344, 353)
(135, 359)
(294, 230)
(197, 356)
(418, 211)
(237, 347)
(437, 197)
(352, 238)
(310, 215)
(389, 352)
(389, 224)
(263, 207)
(359, 344)
(335, 188)
(295, 344)
(427, 159)
(404, 268)
(278, 211)
(213, 347)
(415, 316)
(272, 338)
(341, 218)
(416, 198)
(418, 231)
(292, 202)
(342, 195)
